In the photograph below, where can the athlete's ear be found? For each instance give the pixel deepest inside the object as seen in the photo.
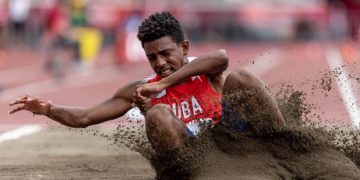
(185, 46)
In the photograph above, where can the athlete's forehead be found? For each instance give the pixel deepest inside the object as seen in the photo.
(158, 45)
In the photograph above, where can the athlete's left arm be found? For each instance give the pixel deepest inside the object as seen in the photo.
(212, 64)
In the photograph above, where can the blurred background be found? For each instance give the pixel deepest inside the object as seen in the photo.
(80, 51)
(36, 24)
(86, 27)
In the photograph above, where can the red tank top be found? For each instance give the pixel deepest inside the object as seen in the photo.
(192, 100)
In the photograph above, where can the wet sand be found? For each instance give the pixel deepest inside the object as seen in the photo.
(59, 153)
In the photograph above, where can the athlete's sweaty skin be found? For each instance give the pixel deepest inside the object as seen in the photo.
(168, 59)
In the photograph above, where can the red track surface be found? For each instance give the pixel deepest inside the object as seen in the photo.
(298, 63)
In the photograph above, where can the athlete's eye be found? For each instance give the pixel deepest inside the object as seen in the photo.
(166, 52)
(151, 57)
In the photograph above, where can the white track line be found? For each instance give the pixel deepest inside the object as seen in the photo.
(334, 60)
(20, 132)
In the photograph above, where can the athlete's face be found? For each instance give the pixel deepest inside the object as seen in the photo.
(165, 56)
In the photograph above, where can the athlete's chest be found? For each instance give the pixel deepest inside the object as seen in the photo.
(192, 98)
(197, 86)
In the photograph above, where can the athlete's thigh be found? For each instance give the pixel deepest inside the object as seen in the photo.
(246, 96)
(160, 120)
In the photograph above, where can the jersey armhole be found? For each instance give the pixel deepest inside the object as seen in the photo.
(212, 85)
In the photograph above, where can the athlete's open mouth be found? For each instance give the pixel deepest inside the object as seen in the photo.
(165, 72)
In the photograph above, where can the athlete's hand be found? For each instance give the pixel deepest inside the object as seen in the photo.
(30, 103)
(144, 92)
(149, 90)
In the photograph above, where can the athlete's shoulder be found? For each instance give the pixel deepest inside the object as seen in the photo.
(151, 78)
(191, 58)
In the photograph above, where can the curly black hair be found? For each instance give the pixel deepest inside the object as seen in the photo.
(159, 25)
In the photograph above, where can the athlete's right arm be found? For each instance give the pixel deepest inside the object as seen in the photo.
(77, 117)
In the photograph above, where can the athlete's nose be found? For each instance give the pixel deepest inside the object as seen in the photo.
(160, 62)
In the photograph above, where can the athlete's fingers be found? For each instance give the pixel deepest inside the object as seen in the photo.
(21, 101)
(141, 91)
(140, 99)
(13, 103)
(20, 98)
(135, 95)
(23, 97)
(146, 101)
(144, 106)
(16, 109)
(140, 94)
(136, 99)
(138, 102)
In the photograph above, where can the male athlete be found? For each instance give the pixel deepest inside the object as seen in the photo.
(183, 94)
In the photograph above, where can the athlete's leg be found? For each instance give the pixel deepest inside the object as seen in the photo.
(246, 96)
(164, 130)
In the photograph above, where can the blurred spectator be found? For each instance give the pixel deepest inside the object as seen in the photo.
(56, 22)
(60, 43)
(338, 21)
(35, 27)
(18, 15)
(191, 24)
(90, 43)
(88, 36)
(3, 21)
(105, 17)
(304, 29)
(129, 48)
(353, 14)
(78, 13)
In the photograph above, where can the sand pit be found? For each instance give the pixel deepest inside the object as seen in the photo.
(289, 154)
(96, 153)
(297, 151)
(60, 153)
(285, 155)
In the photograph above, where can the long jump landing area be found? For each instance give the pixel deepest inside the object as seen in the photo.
(33, 147)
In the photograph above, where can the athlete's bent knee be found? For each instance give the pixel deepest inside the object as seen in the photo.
(157, 113)
(244, 78)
